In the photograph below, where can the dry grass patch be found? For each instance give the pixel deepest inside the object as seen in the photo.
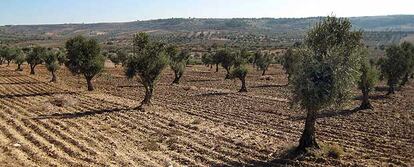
(62, 101)
(267, 77)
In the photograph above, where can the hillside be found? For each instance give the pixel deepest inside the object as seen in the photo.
(260, 31)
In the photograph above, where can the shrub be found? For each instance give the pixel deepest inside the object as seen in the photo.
(84, 57)
(334, 151)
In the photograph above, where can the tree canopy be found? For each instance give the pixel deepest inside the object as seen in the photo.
(84, 57)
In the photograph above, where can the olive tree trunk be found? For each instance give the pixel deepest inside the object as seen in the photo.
(405, 79)
(391, 88)
(19, 67)
(227, 74)
(217, 68)
(243, 85)
(148, 95)
(89, 83)
(264, 72)
(365, 100)
(177, 78)
(54, 78)
(32, 69)
(308, 138)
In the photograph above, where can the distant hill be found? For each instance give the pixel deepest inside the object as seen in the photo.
(220, 29)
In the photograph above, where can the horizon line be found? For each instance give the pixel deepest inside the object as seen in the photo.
(154, 19)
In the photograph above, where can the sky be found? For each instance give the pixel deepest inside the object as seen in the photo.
(17, 12)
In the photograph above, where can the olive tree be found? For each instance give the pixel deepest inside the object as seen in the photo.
(120, 57)
(61, 57)
(226, 59)
(263, 62)
(216, 59)
(289, 62)
(408, 50)
(178, 62)
(147, 62)
(19, 59)
(326, 72)
(367, 80)
(394, 66)
(2, 48)
(52, 63)
(207, 60)
(35, 57)
(114, 58)
(84, 57)
(8, 54)
(240, 70)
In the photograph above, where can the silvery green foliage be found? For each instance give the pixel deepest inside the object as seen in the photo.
(328, 66)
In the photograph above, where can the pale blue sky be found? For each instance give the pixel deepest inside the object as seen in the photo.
(91, 11)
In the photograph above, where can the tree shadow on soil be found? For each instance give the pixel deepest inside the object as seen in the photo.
(130, 86)
(329, 114)
(18, 83)
(373, 97)
(289, 157)
(269, 86)
(33, 94)
(385, 88)
(79, 114)
(203, 80)
(11, 75)
(213, 94)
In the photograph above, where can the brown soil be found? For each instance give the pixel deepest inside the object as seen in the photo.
(202, 122)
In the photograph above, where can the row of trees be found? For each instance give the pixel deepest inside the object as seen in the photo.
(225, 58)
(52, 58)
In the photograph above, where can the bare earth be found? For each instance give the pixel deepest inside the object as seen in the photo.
(202, 122)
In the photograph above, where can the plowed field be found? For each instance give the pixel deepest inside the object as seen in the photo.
(202, 122)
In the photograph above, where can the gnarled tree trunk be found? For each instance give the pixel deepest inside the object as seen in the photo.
(19, 67)
(32, 69)
(405, 79)
(365, 100)
(264, 72)
(243, 85)
(217, 68)
(89, 83)
(308, 139)
(177, 78)
(227, 74)
(54, 78)
(148, 95)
